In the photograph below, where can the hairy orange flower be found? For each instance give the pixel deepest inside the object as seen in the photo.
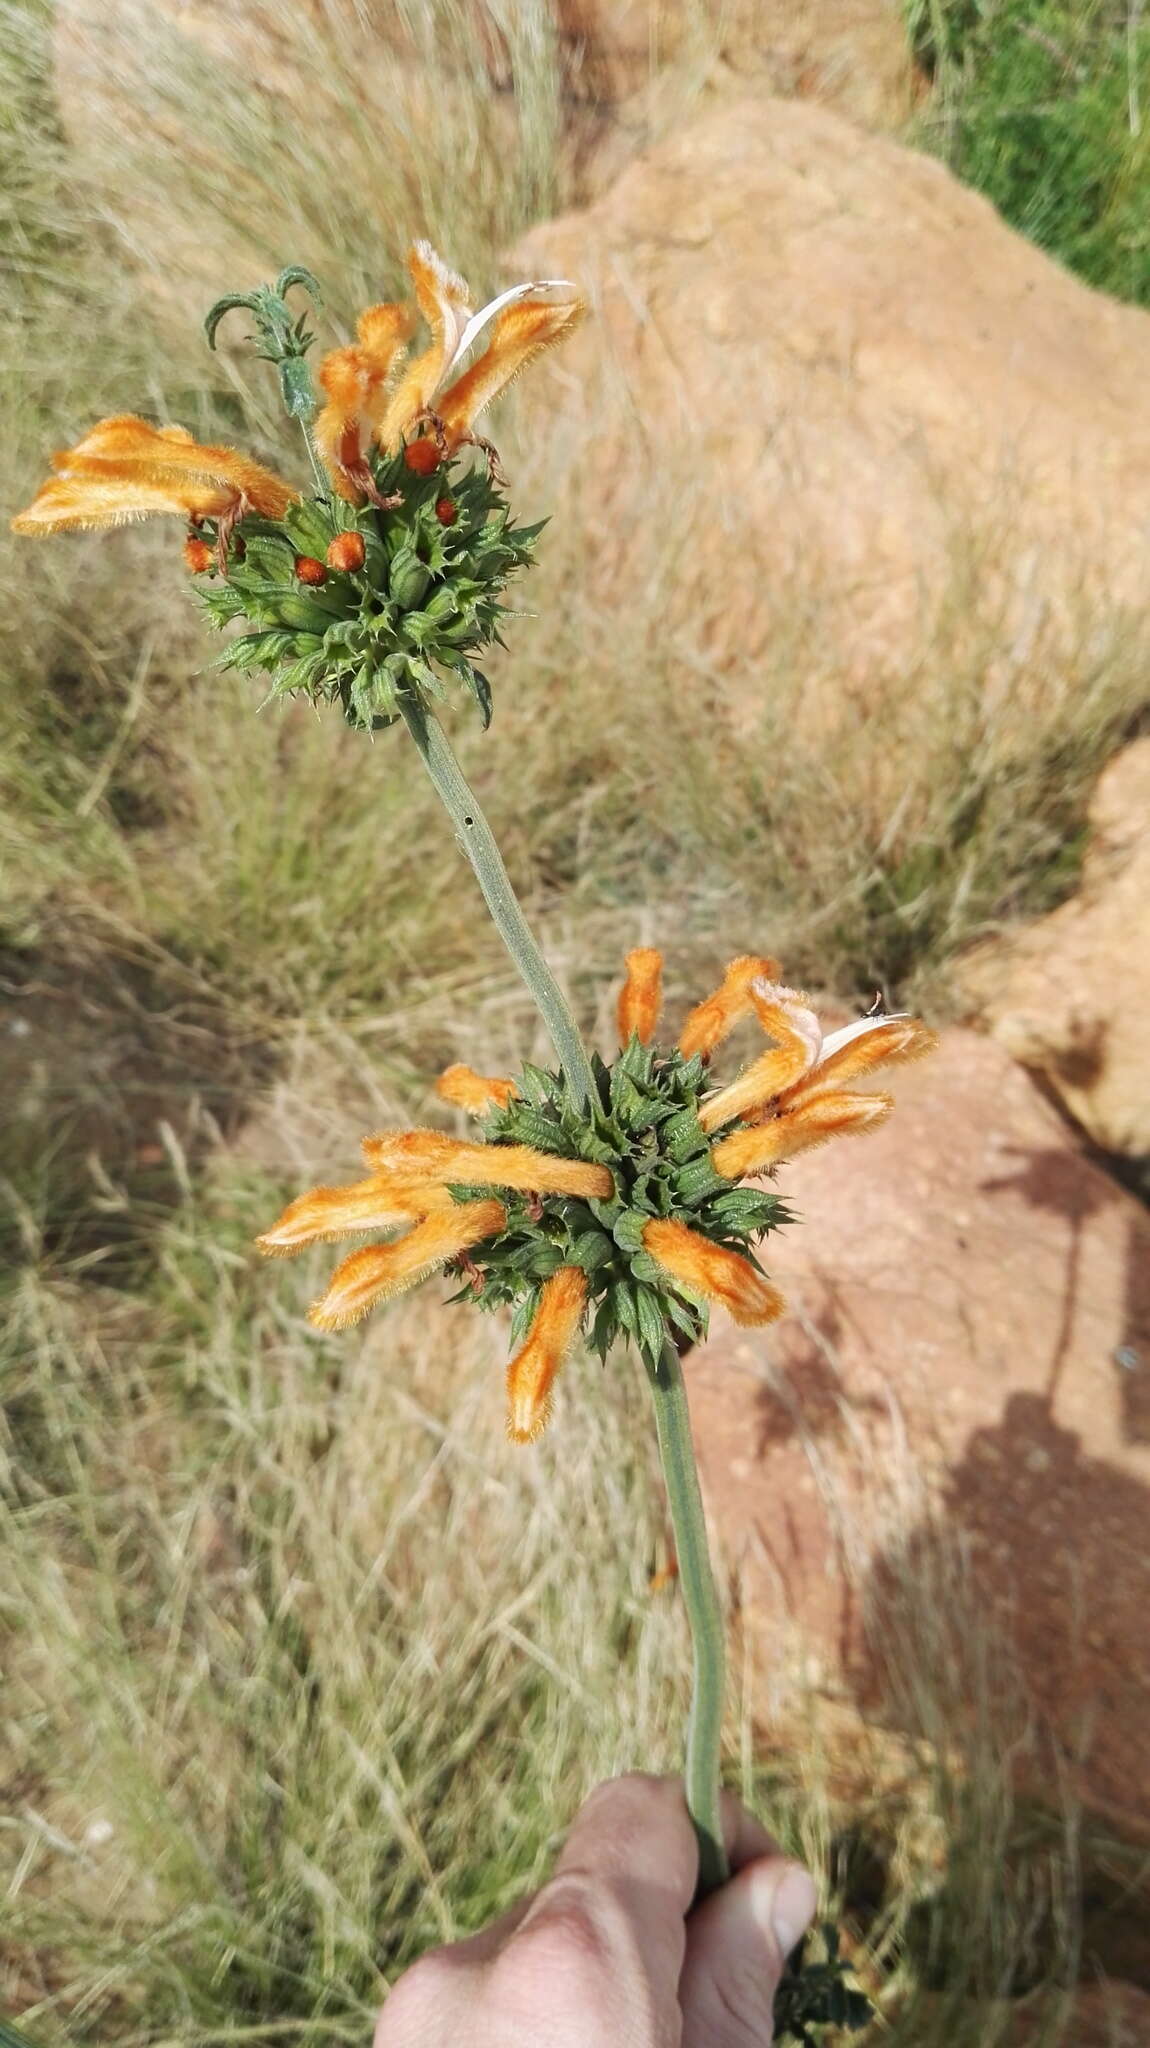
(355, 382)
(792, 1098)
(524, 321)
(785, 1016)
(125, 469)
(323, 1214)
(504, 1166)
(532, 1372)
(713, 1271)
(713, 1020)
(640, 997)
(836, 1114)
(380, 1271)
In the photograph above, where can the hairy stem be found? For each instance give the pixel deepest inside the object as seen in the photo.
(475, 837)
(704, 1615)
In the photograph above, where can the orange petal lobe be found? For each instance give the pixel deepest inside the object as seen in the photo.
(532, 1372)
(888, 1042)
(380, 1271)
(713, 1271)
(445, 304)
(713, 1020)
(641, 995)
(520, 333)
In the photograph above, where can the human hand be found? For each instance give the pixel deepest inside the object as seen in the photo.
(609, 1954)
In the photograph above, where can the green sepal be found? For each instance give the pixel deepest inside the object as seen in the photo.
(628, 1229)
(591, 1250)
(651, 1322)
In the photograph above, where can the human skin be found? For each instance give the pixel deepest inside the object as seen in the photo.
(609, 1953)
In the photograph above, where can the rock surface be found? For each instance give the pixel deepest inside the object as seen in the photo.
(850, 54)
(1069, 995)
(947, 1440)
(828, 398)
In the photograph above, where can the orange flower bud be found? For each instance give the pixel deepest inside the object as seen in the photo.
(309, 570)
(421, 457)
(639, 997)
(531, 1373)
(446, 511)
(347, 552)
(197, 554)
(709, 1269)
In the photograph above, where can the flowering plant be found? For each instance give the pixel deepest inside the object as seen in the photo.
(625, 1198)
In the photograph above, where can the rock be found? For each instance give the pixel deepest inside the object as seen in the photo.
(932, 1478)
(1069, 995)
(852, 54)
(830, 408)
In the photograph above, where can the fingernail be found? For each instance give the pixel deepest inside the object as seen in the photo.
(783, 1901)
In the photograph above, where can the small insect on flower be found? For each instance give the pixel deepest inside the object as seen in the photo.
(624, 1217)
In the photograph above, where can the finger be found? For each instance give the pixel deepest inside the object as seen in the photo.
(745, 1838)
(737, 1943)
(632, 1843)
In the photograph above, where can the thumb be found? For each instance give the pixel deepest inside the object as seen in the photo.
(737, 1943)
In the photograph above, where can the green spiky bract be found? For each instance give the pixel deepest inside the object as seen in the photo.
(642, 1123)
(427, 599)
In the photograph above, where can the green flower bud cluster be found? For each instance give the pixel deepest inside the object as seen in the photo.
(427, 597)
(642, 1123)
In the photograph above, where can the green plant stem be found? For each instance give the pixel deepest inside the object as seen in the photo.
(477, 840)
(704, 1616)
(672, 1420)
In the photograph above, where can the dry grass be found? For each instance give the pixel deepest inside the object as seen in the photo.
(306, 1668)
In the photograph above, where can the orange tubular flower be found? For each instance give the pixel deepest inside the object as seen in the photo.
(476, 1093)
(355, 382)
(380, 1271)
(531, 1373)
(323, 1214)
(790, 1112)
(527, 319)
(125, 469)
(835, 1114)
(713, 1020)
(785, 1015)
(640, 997)
(445, 303)
(713, 1271)
(504, 1166)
